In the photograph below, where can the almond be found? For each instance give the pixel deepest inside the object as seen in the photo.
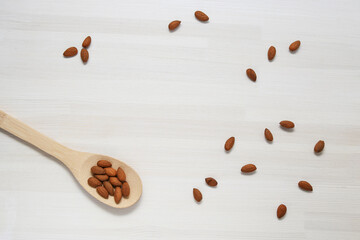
(271, 53)
(110, 172)
(287, 124)
(174, 24)
(248, 168)
(197, 194)
(102, 192)
(268, 135)
(281, 211)
(93, 182)
(102, 177)
(96, 170)
(86, 42)
(121, 175)
(109, 188)
(104, 163)
(319, 146)
(229, 144)
(70, 52)
(305, 186)
(201, 16)
(117, 195)
(211, 181)
(294, 46)
(125, 190)
(84, 55)
(251, 74)
(115, 182)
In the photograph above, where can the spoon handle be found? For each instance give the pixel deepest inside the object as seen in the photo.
(33, 137)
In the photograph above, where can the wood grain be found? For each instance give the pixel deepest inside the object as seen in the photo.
(165, 103)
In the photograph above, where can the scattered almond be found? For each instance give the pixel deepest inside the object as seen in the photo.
(197, 194)
(174, 24)
(117, 195)
(121, 175)
(96, 170)
(248, 168)
(110, 172)
(251, 74)
(93, 182)
(294, 46)
(102, 192)
(281, 211)
(268, 135)
(125, 190)
(84, 55)
(70, 52)
(102, 177)
(104, 163)
(115, 182)
(229, 144)
(201, 16)
(319, 146)
(211, 182)
(109, 188)
(271, 53)
(287, 124)
(86, 42)
(305, 186)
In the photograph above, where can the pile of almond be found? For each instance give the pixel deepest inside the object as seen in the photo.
(84, 54)
(109, 181)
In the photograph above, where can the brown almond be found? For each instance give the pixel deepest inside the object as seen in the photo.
(102, 192)
(251, 74)
(174, 24)
(201, 16)
(109, 188)
(305, 186)
(268, 135)
(84, 55)
(70, 52)
(197, 194)
(248, 168)
(211, 182)
(319, 146)
(110, 172)
(96, 170)
(229, 144)
(104, 163)
(271, 53)
(117, 195)
(121, 175)
(86, 42)
(115, 182)
(287, 124)
(93, 182)
(102, 177)
(294, 46)
(281, 211)
(125, 190)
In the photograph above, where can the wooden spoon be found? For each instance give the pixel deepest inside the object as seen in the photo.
(79, 163)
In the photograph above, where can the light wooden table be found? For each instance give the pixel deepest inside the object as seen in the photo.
(166, 102)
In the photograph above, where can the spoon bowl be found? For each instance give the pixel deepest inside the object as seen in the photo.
(79, 163)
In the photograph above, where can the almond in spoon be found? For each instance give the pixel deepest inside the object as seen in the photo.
(102, 177)
(115, 182)
(102, 192)
(125, 190)
(110, 172)
(117, 195)
(109, 188)
(104, 163)
(93, 182)
(96, 170)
